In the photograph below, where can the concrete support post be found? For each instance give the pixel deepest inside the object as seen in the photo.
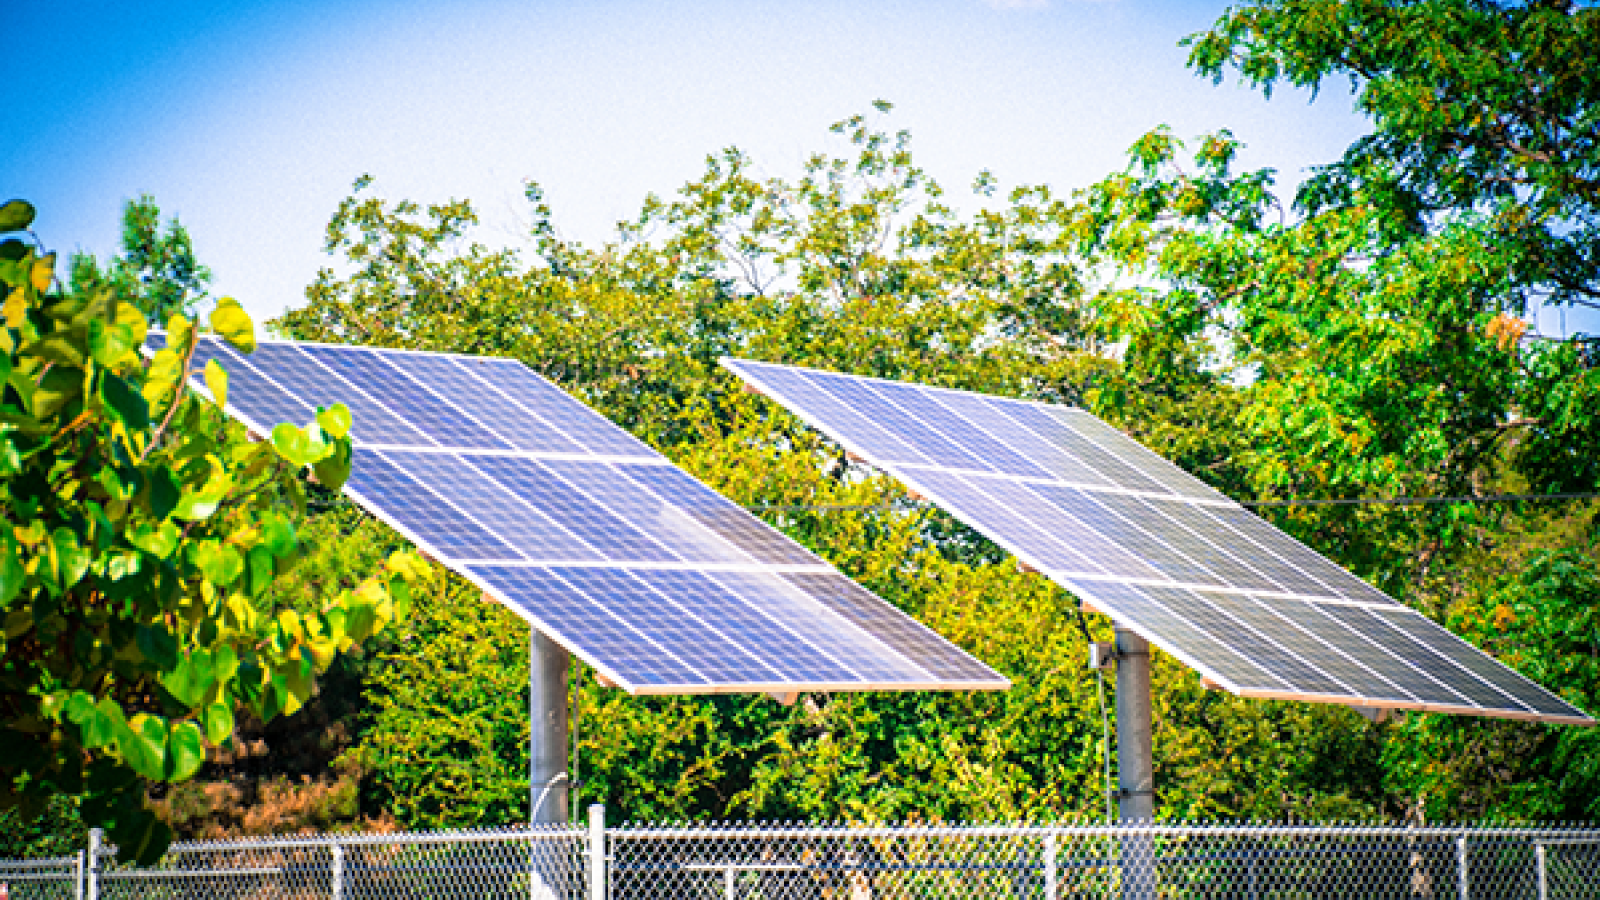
(548, 666)
(1135, 764)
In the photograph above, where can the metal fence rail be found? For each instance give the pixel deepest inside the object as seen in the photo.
(771, 861)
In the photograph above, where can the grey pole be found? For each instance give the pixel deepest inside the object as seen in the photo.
(1135, 764)
(548, 666)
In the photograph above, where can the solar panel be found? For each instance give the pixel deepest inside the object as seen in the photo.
(655, 580)
(1254, 610)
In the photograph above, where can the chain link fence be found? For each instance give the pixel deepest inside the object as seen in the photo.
(770, 861)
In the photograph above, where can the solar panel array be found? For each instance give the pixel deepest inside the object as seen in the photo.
(661, 584)
(1254, 610)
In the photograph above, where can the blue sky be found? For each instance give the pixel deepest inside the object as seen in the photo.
(249, 121)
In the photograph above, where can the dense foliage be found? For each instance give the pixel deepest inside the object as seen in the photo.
(1367, 340)
(142, 537)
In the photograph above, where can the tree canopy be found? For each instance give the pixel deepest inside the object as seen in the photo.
(143, 533)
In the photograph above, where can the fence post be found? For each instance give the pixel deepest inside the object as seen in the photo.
(1538, 862)
(77, 876)
(1462, 888)
(597, 851)
(1050, 850)
(91, 878)
(730, 882)
(336, 888)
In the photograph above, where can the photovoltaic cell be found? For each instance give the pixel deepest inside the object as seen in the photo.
(443, 423)
(599, 541)
(795, 659)
(717, 513)
(568, 615)
(856, 650)
(978, 444)
(1048, 427)
(850, 427)
(992, 517)
(316, 385)
(1135, 605)
(664, 523)
(423, 515)
(986, 414)
(494, 507)
(511, 421)
(578, 422)
(878, 618)
(1155, 548)
(578, 513)
(693, 639)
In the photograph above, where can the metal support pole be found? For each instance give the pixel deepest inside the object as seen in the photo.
(597, 851)
(336, 877)
(1052, 848)
(91, 879)
(1539, 862)
(1462, 887)
(1135, 764)
(548, 666)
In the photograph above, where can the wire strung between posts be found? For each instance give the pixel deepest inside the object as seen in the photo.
(1253, 504)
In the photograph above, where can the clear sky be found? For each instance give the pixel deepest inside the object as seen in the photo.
(249, 121)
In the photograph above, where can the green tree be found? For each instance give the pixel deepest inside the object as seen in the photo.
(1482, 112)
(157, 271)
(859, 264)
(142, 535)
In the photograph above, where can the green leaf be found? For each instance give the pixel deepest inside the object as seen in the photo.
(60, 386)
(333, 469)
(191, 679)
(160, 540)
(186, 751)
(12, 250)
(16, 215)
(219, 563)
(231, 321)
(69, 557)
(293, 444)
(217, 383)
(143, 744)
(335, 420)
(200, 504)
(12, 574)
(165, 492)
(128, 405)
(109, 343)
(158, 645)
(219, 723)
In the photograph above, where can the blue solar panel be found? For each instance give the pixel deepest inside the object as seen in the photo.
(1157, 549)
(746, 623)
(423, 515)
(577, 422)
(495, 507)
(716, 512)
(596, 526)
(444, 424)
(586, 627)
(315, 385)
(660, 583)
(511, 421)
